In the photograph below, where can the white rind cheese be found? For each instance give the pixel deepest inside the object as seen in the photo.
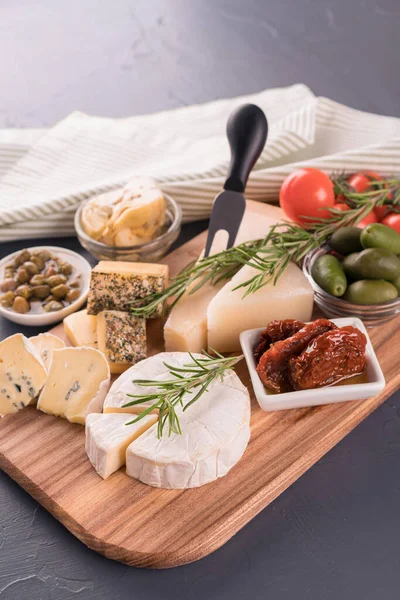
(107, 438)
(215, 433)
(229, 313)
(45, 343)
(77, 383)
(81, 329)
(22, 373)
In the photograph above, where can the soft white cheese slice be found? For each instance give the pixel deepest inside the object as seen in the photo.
(77, 383)
(45, 343)
(229, 313)
(81, 329)
(215, 433)
(108, 436)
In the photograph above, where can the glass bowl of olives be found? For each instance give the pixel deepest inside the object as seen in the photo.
(357, 274)
(42, 285)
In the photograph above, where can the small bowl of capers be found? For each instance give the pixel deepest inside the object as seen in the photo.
(42, 285)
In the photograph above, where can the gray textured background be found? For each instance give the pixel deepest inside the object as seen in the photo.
(334, 534)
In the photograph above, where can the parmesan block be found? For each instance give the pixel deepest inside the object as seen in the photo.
(121, 338)
(215, 433)
(229, 313)
(45, 343)
(22, 373)
(107, 438)
(81, 329)
(117, 285)
(77, 383)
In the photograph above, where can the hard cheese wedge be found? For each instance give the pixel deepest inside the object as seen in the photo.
(108, 436)
(45, 343)
(22, 373)
(81, 329)
(215, 433)
(77, 383)
(121, 338)
(229, 313)
(186, 327)
(116, 285)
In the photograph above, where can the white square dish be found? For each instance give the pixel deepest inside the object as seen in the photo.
(326, 395)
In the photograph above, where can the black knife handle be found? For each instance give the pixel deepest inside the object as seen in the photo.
(247, 131)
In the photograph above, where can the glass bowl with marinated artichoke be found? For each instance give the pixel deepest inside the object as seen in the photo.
(137, 223)
(357, 273)
(41, 285)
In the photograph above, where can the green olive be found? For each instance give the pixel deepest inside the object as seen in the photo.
(50, 271)
(21, 305)
(73, 295)
(377, 235)
(9, 272)
(24, 290)
(346, 240)
(40, 291)
(55, 280)
(53, 306)
(7, 285)
(22, 275)
(371, 291)
(38, 279)
(22, 257)
(75, 283)
(45, 255)
(65, 268)
(7, 299)
(49, 298)
(396, 283)
(372, 263)
(60, 291)
(38, 262)
(328, 272)
(31, 267)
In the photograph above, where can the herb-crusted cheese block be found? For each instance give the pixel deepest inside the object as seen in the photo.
(45, 343)
(77, 383)
(108, 436)
(81, 329)
(22, 373)
(117, 285)
(215, 431)
(121, 338)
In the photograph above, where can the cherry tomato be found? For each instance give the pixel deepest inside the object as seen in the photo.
(307, 193)
(342, 206)
(381, 212)
(393, 221)
(370, 218)
(360, 182)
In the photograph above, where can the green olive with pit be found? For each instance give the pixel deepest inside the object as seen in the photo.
(377, 235)
(73, 295)
(53, 306)
(75, 283)
(7, 299)
(22, 275)
(55, 280)
(346, 240)
(38, 279)
(22, 257)
(371, 291)
(60, 291)
(45, 255)
(24, 290)
(9, 272)
(21, 305)
(328, 273)
(31, 267)
(65, 268)
(396, 283)
(38, 262)
(8, 284)
(40, 291)
(372, 263)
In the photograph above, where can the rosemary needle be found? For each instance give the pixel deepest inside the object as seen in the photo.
(186, 386)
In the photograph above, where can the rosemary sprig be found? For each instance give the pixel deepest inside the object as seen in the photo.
(192, 380)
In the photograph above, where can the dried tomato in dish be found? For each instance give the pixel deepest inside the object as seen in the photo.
(275, 332)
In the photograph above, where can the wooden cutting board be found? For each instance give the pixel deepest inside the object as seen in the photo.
(147, 527)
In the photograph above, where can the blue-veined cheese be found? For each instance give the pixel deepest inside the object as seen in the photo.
(45, 343)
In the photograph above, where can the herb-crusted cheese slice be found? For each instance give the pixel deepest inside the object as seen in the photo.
(117, 285)
(77, 383)
(108, 436)
(22, 373)
(45, 343)
(81, 329)
(121, 338)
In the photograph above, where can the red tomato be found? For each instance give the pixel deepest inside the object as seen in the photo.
(307, 193)
(381, 212)
(370, 218)
(393, 221)
(360, 182)
(342, 206)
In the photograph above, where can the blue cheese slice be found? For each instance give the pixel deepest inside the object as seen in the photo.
(22, 373)
(45, 343)
(77, 383)
(122, 339)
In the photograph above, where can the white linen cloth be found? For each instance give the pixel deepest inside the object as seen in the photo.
(45, 174)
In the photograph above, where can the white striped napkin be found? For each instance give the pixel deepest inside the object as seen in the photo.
(44, 174)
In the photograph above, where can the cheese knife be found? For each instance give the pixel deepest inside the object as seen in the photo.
(247, 131)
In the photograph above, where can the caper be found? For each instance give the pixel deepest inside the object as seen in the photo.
(75, 283)
(21, 305)
(24, 290)
(73, 295)
(55, 280)
(22, 275)
(52, 306)
(50, 271)
(65, 268)
(45, 255)
(31, 267)
(22, 257)
(8, 284)
(38, 279)
(41, 291)
(60, 291)
(7, 299)
(38, 262)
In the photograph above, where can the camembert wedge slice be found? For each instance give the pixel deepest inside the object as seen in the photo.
(22, 373)
(108, 436)
(77, 383)
(45, 343)
(81, 329)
